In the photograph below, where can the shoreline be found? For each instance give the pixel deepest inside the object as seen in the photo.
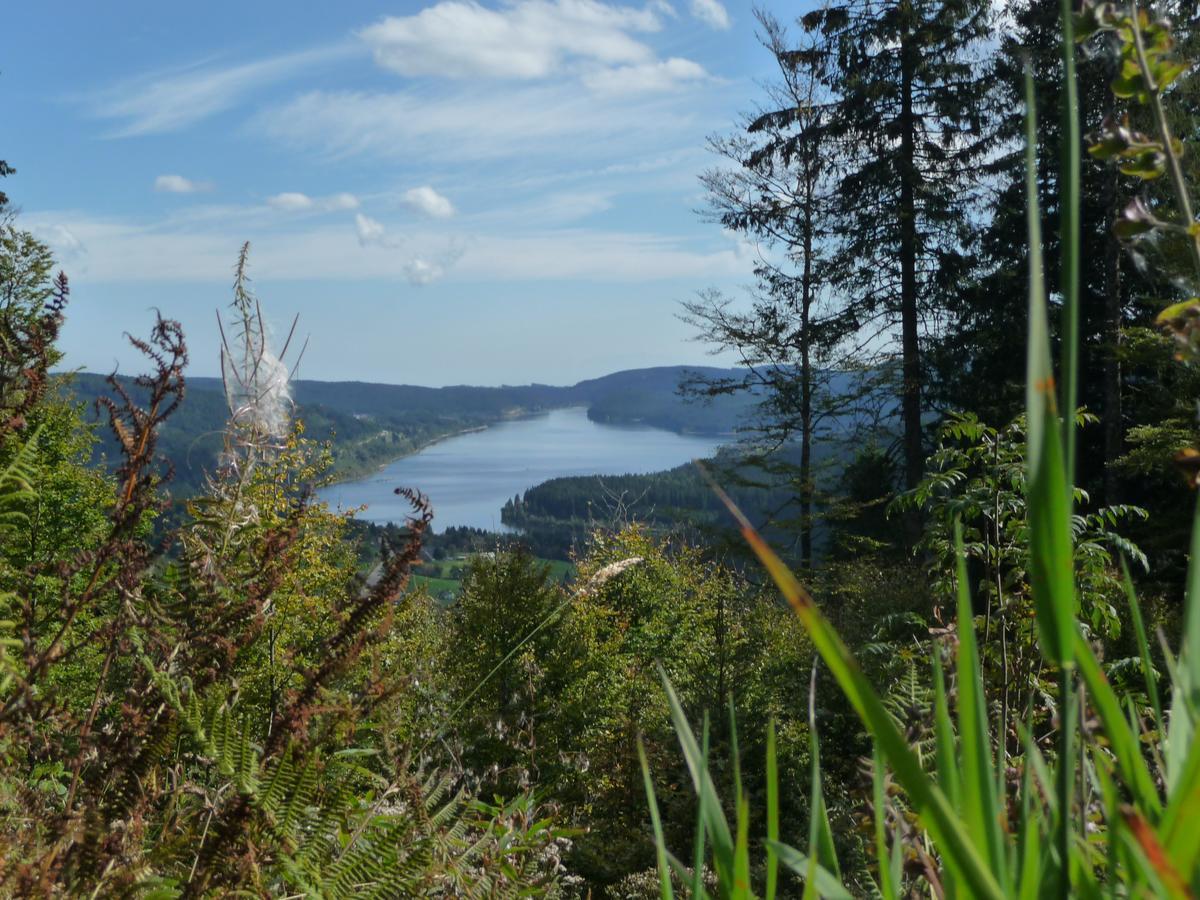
(431, 442)
(473, 429)
(367, 472)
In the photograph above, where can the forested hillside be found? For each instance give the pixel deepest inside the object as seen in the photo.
(372, 424)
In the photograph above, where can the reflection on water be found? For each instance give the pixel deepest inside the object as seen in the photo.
(469, 477)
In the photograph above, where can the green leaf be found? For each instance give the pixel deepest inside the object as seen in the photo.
(1125, 229)
(828, 885)
(1147, 164)
(1051, 561)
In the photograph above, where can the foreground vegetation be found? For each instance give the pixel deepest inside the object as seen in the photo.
(974, 798)
(248, 701)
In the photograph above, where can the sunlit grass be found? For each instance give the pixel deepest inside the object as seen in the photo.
(987, 837)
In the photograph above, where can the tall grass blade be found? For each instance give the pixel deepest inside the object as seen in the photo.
(820, 833)
(1051, 560)
(1029, 842)
(1172, 882)
(772, 813)
(698, 848)
(945, 757)
(1143, 645)
(741, 852)
(1126, 749)
(1035, 763)
(660, 844)
(1185, 698)
(714, 818)
(741, 847)
(735, 754)
(1100, 774)
(1179, 828)
(926, 799)
(884, 856)
(1070, 205)
(980, 801)
(828, 885)
(1051, 564)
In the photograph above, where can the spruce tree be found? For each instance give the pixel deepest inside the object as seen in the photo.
(911, 121)
(774, 189)
(980, 357)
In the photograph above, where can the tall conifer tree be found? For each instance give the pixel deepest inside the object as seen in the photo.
(912, 124)
(777, 194)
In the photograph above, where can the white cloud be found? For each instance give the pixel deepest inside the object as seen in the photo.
(744, 249)
(418, 271)
(62, 241)
(560, 121)
(568, 206)
(162, 102)
(177, 184)
(712, 13)
(129, 251)
(290, 201)
(429, 202)
(370, 231)
(666, 75)
(595, 256)
(526, 39)
(556, 208)
(340, 201)
(294, 201)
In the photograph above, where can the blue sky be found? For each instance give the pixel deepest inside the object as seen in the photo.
(445, 192)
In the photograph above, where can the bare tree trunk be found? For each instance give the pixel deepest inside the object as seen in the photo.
(914, 458)
(1111, 414)
(806, 378)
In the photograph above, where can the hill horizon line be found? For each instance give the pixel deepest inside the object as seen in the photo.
(209, 381)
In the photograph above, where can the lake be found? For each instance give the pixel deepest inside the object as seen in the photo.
(468, 477)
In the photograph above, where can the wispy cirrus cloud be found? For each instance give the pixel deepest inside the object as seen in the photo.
(122, 250)
(469, 124)
(161, 102)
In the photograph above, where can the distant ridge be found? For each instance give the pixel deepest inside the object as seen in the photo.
(372, 423)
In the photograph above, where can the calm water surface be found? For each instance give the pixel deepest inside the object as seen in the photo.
(468, 477)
